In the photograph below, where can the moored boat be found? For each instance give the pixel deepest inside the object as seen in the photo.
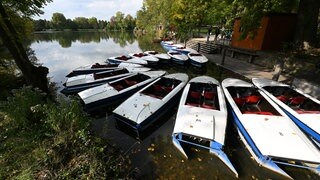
(109, 93)
(202, 118)
(128, 59)
(79, 83)
(97, 67)
(168, 45)
(144, 107)
(163, 57)
(178, 57)
(303, 109)
(197, 59)
(267, 132)
(183, 50)
(151, 60)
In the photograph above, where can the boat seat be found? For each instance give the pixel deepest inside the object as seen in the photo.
(130, 83)
(195, 95)
(194, 98)
(253, 99)
(283, 98)
(118, 87)
(208, 95)
(252, 103)
(168, 88)
(208, 101)
(297, 101)
(157, 87)
(239, 101)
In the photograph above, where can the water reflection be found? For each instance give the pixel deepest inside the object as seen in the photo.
(66, 39)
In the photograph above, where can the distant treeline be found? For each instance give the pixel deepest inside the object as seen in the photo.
(60, 22)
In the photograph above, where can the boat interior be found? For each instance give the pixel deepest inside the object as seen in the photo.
(153, 52)
(294, 100)
(129, 81)
(161, 88)
(106, 74)
(195, 54)
(140, 55)
(250, 101)
(97, 65)
(124, 57)
(203, 95)
(174, 53)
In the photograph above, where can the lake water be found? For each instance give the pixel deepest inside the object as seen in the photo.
(154, 155)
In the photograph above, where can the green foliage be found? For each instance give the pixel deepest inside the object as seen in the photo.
(26, 8)
(182, 16)
(58, 146)
(252, 11)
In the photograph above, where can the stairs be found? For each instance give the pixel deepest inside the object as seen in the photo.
(208, 48)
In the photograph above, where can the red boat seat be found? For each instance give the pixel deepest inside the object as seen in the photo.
(283, 98)
(157, 88)
(118, 87)
(168, 89)
(253, 99)
(296, 101)
(130, 83)
(195, 95)
(239, 101)
(209, 95)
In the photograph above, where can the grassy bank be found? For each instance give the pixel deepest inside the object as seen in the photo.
(52, 140)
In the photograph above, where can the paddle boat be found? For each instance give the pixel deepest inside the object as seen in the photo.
(128, 59)
(144, 107)
(267, 132)
(197, 59)
(303, 109)
(116, 91)
(163, 57)
(97, 67)
(201, 119)
(151, 60)
(79, 83)
(183, 50)
(168, 45)
(178, 57)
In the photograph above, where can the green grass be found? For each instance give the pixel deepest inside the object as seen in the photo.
(44, 139)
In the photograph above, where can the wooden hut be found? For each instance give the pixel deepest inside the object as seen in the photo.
(274, 30)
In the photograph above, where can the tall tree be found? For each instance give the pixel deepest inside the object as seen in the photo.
(36, 76)
(58, 20)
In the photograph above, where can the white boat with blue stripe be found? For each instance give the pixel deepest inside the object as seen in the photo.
(178, 57)
(269, 134)
(303, 109)
(197, 59)
(202, 118)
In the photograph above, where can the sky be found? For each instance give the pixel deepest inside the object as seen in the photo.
(101, 9)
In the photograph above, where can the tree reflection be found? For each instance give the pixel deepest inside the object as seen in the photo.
(65, 39)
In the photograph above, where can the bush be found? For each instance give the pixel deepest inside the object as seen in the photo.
(44, 139)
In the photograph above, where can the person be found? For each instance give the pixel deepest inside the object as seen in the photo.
(217, 32)
(209, 33)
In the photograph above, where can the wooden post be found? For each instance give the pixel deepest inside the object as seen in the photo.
(198, 47)
(223, 55)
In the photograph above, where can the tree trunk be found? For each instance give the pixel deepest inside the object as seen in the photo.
(307, 22)
(36, 76)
